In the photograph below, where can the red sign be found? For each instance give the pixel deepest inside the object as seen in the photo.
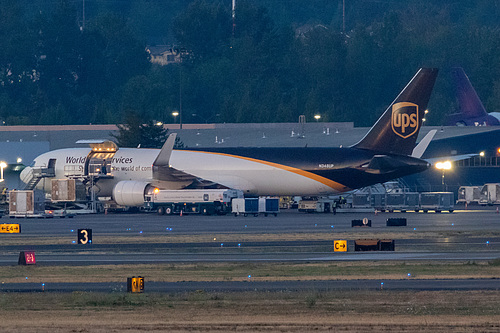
(27, 258)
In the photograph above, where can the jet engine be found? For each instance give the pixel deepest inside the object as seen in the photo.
(130, 192)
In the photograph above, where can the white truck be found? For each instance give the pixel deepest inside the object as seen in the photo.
(207, 202)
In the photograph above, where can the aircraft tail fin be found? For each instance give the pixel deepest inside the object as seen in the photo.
(396, 131)
(468, 100)
(420, 149)
(470, 111)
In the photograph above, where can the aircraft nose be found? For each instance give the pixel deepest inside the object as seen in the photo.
(25, 175)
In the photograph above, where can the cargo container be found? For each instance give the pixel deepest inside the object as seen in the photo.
(67, 190)
(361, 200)
(437, 201)
(245, 206)
(412, 201)
(269, 206)
(469, 194)
(490, 194)
(26, 203)
(395, 201)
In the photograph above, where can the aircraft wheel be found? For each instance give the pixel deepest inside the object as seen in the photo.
(161, 210)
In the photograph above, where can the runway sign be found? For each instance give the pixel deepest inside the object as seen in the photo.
(84, 236)
(26, 258)
(135, 284)
(386, 245)
(361, 223)
(340, 246)
(10, 228)
(396, 222)
(366, 245)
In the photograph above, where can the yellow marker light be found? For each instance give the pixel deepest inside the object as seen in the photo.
(317, 116)
(481, 154)
(426, 111)
(19, 159)
(156, 190)
(175, 113)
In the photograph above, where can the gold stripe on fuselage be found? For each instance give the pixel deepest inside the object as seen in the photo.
(325, 181)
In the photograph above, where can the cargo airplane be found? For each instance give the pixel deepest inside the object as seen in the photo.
(384, 153)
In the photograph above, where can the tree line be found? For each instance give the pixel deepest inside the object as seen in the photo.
(282, 59)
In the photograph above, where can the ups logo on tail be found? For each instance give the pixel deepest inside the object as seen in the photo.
(405, 121)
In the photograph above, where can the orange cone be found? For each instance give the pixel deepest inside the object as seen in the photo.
(181, 213)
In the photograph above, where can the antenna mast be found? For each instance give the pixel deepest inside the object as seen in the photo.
(233, 14)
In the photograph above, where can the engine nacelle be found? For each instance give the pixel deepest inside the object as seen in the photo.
(130, 192)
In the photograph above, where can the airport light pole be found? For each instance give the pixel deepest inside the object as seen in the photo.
(175, 114)
(3, 165)
(317, 117)
(443, 166)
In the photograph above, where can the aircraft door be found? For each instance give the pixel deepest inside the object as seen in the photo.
(99, 163)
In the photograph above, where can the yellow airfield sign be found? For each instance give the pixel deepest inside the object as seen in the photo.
(340, 246)
(10, 228)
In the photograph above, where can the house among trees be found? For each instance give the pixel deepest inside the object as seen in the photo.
(164, 54)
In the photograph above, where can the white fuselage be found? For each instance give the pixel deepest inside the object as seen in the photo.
(250, 176)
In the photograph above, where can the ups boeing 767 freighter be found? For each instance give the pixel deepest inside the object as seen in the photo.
(384, 153)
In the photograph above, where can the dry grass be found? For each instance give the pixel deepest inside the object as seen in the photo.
(259, 271)
(443, 311)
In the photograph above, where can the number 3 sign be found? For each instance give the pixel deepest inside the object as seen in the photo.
(84, 236)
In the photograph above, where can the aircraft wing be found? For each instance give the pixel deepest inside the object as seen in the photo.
(454, 158)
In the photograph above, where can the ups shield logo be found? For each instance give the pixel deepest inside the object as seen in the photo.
(405, 121)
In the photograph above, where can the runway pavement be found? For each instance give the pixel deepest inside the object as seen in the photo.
(290, 237)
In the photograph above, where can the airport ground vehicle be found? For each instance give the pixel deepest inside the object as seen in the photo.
(317, 205)
(207, 202)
